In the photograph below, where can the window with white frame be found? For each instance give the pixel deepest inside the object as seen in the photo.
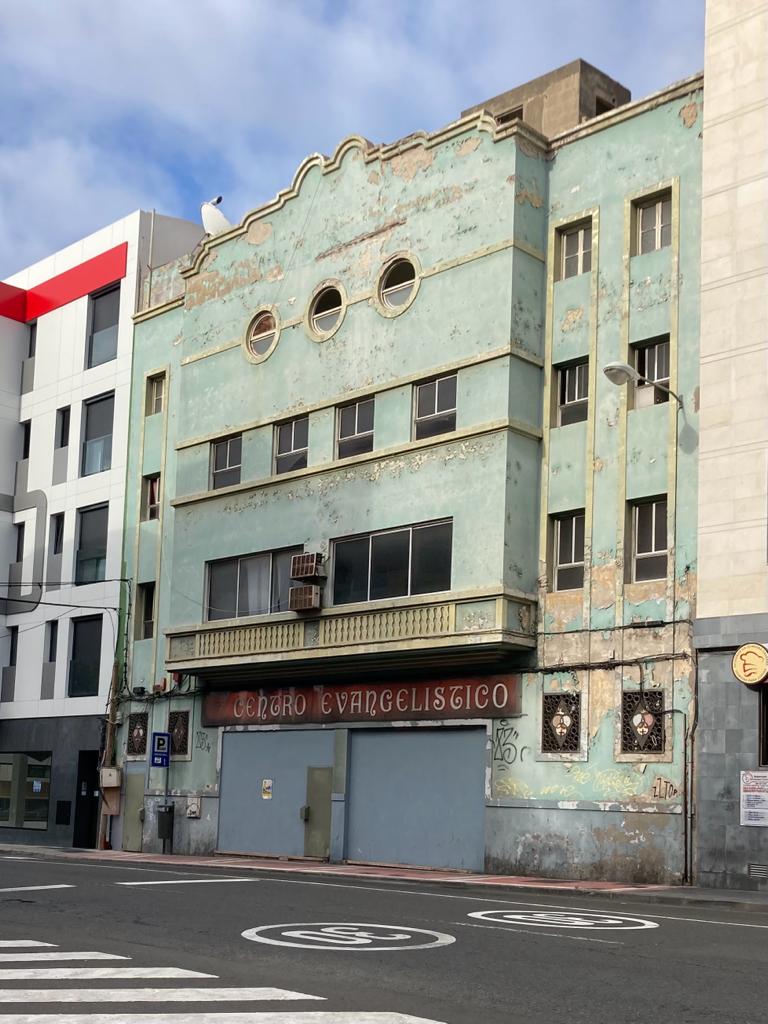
(654, 223)
(575, 250)
(573, 393)
(393, 563)
(355, 428)
(226, 459)
(150, 497)
(250, 584)
(569, 551)
(291, 445)
(652, 363)
(155, 394)
(649, 540)
(435, 407)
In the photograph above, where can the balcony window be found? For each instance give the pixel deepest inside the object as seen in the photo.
(654, 223)
(575, 250)
(86, 657)
(91, 558)
(102, 336)
(435, 403)
(292, 445)
(355, 427)
(652, 363)
(150, 497)
(649, 540)
(393, 563)
(250, 585)
(226, 459)
(569, 551)
(155, 394)
(97, 435)
(573, 393)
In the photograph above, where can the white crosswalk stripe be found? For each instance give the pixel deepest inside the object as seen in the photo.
(270, 1017)
(97, 973)
(26, 958)
(148, 995)
(23, 943)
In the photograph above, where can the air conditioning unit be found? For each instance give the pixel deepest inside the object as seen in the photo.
(307, 566)
(304, 599)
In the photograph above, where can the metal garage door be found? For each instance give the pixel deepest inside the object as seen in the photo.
(248, 823)
(417, 796)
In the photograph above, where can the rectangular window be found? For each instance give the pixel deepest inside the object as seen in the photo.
(355, 428)
(178, 727)
(435, 407)
(654, 223)
(569, 551)
(250, 585)
(291, 445)
(51, 639)
(61, 439)
(150, 497)
(26, 438)
(155, 394)
(145, 611)
(652, 363)
(25, 785)
(575, 250)
(32, 341)
(649, 535)
(19, 542)
(642, 722)
(393, 563)
(91, 558)
(226, 459)
(98, 414)
(573, 393)
(86, 657)
(13, 645)
(56, 535)
(102, 336)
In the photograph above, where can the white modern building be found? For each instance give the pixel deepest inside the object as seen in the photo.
(66, 336)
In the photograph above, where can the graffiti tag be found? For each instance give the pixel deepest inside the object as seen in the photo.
(202, 742)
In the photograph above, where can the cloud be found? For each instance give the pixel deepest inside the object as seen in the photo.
(112, 105)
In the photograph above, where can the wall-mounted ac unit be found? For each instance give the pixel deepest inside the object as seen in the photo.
(304, 599)
(307, 566)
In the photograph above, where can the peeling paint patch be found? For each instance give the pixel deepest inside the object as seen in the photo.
(276, 273)
(359, 239)
(258, 232)
(689, 113)
(572, 318)
(468, 146)
(374, 177)
(528, 195)
(407, 165)
(214, 284)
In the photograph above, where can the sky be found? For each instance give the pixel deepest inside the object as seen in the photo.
(112, 105)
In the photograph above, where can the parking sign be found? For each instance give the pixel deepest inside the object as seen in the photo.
(161, 749)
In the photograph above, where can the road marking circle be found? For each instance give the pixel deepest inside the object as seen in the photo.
(565, 919)
(341, 935)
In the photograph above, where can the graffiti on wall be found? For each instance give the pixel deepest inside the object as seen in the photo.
(507, 749)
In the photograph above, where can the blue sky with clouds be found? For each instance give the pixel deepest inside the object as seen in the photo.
(110, 105)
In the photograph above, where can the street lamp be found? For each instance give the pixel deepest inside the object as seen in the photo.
(622, 373)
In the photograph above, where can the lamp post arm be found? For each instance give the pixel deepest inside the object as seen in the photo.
(662, 387)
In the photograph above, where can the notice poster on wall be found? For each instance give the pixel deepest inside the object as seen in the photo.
(754, 798)
(266, 789)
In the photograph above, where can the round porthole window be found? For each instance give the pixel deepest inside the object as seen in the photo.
(326, 312)
(262, 335)
(397, 287)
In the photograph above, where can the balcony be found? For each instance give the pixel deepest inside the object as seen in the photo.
(455, 631)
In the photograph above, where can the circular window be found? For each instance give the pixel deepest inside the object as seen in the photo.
(397, 287)
(326, 311)
(262, 335)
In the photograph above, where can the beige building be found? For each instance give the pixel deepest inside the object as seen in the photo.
(733, 475)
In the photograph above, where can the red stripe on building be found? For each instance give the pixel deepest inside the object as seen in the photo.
(87, 277)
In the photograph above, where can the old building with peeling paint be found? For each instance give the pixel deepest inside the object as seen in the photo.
(414, 579)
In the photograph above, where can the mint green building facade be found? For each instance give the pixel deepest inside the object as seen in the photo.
(530, 761)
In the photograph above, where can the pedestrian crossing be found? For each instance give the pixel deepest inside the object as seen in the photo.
(35, 961)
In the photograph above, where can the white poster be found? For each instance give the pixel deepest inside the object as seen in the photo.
(754, 798)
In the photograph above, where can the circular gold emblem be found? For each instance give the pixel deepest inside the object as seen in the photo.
(750, 663)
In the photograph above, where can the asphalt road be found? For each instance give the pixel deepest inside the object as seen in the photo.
(351, 953)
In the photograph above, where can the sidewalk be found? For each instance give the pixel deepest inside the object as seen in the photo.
(673, 895)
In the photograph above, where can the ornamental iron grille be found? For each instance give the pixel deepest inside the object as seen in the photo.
(137, 734)
(178, 727)
(561, 723)
(642, 722)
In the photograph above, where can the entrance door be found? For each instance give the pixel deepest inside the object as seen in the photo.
(265, 789)
(317, 826)
(417, 796)
(86, 800)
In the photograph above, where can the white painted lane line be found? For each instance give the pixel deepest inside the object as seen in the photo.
(543, 935)
(20, 958)
(149, 995)
(270, 1017)
(10, 943)
(506, 903)
(97, 973)
(35, 888)
(188, 881)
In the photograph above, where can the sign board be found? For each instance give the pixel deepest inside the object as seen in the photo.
(479, 697)
(266, 789)
(161, 749)
(750, 663)
(754, 798)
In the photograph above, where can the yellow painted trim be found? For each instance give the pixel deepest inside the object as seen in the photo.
(147, 314)
(545, 439)
(589, 459)
(621, 426)
(674, 412)
(376, 456)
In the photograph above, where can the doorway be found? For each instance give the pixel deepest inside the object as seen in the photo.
(86, 800)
